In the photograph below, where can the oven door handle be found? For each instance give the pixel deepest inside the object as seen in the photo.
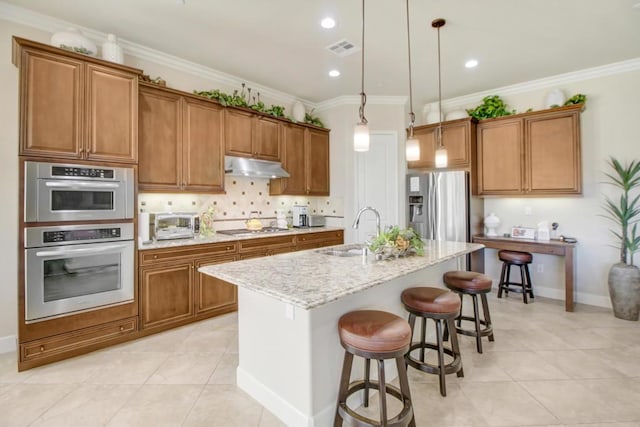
(82, 251)
(79, 184)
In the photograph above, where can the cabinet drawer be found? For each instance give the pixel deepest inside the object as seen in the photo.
(77, 339)
(320, 236)
(266, 243)
(170, 254)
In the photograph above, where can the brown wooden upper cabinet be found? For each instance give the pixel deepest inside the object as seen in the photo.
(458, 137)
(531, 154)
(251, 135)
(180, 142)
(305, 155)
(74, 106)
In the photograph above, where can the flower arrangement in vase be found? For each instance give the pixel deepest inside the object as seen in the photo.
(206, 222)
(396, 242)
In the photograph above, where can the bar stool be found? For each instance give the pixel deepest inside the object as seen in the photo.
(473, 284)
(374, 335)
(442, 306)
(522, 260)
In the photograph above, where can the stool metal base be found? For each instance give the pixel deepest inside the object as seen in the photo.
(478, 330)
(523, 287)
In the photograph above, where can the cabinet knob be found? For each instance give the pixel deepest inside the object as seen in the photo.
(228, 248)
(41, 348)
(155, 257)
(121, 328)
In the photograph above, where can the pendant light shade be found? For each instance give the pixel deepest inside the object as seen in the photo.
(361, 131)
(412, 146)
(441, 151)
(361, 137)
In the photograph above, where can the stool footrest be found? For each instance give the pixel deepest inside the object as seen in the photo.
(487, 330)
(353, 418)
(450, 368)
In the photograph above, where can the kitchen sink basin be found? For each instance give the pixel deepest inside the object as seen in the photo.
(344, 250)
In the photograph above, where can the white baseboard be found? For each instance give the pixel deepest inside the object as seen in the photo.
(8, 344)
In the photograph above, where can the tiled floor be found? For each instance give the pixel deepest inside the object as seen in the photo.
(546, 367)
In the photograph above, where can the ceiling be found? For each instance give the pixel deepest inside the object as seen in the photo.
(280, 44)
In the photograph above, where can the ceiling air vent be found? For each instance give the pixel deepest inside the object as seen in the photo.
(343, 48)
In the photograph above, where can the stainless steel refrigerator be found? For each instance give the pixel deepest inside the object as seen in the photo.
(440, 206)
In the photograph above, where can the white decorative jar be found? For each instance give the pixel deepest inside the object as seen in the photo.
(431, 113)
(298, 111)
(456, 114)
(491, 223)
(111, 51)
(73, 40)
(554, 98)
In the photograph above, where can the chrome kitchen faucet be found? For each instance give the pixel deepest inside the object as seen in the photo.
(356, 222)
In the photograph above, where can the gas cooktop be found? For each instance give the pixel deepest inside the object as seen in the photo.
(244, 231)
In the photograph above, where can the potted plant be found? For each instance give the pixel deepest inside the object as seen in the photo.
(624, 276)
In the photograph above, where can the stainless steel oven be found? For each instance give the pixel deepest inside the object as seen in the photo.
(73, 268)
(71, 192)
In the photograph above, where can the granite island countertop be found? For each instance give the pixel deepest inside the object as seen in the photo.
(311, 278)
(218, 237)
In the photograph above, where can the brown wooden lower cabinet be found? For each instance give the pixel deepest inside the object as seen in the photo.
(214, 296)
(318, 240)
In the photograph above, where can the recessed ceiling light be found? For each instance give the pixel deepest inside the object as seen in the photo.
(328, 23)
(334, 73)
(471, 63)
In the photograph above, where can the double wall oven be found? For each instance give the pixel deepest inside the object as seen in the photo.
(85, 258)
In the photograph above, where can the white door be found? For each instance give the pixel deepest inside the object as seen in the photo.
(377, 184)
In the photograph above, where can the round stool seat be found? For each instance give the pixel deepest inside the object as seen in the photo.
(431, 300)
(467, 281)
(515, 257)
(374, 331)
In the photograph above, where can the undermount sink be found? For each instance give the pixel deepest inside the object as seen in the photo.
(344, 250)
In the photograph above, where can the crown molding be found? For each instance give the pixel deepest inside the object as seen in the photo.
(546, 82)
(52, 25)
(355, 100)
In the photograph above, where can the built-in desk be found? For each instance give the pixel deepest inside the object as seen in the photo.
(552, 247)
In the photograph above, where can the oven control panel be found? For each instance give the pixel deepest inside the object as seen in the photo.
(81, 172)
(74, 235)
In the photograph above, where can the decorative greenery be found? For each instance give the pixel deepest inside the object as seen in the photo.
(578, 98)
(398, 241)
(492, 106)
(234, 100)
(313, 120)
(242, 99)
(625, 212)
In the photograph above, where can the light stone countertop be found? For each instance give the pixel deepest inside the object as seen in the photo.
(309, 279)
(217, 238)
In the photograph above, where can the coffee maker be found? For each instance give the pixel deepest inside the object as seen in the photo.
(300, 216)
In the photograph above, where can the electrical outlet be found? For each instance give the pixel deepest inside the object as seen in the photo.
(289, 312)
(528, 210)
(540, 268)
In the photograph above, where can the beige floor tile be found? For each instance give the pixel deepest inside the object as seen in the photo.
(157, 405)
(205, 341)
(165, 342)
(625, 360)
(9, 370)
(570, 401)
(431, 409)
(70, 371)
(186, 368)
(524, 366)
(578, 364)
(128, 368)
(540, 339)
(507, 404)
(88, 405)
(224, 406)
(583, 338)
(21, 404)
(267, 419)
(626, 336)
(623, 395)
(225, 372)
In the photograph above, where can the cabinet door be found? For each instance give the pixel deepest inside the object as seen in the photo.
(317, 160)
(553, 154)
(202, 147)
(267, 139)
(426, 138)
(500, 157)
(159, 144)
(112, 115)
(50, 105)
(214, 295)
(238, 133)
(166, 294)
(293, 154)
(456, 139)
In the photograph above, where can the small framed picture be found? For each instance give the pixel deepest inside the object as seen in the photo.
(523, 232)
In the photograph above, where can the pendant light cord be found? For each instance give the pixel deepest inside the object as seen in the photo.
(412, 116)
(363, 96)
(437, 24)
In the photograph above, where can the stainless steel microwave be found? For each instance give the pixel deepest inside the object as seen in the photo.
(72, 192)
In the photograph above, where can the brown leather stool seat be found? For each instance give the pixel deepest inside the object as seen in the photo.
(522, 260)
(377, 335)
(473, 284)
(442, 306)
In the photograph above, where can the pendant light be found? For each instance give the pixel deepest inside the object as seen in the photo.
(361, 131)
(441, 151)
(412, 147)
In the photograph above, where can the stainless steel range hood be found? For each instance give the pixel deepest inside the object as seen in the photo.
(241, 166)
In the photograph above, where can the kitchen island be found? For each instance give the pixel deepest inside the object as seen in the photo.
(288, 308)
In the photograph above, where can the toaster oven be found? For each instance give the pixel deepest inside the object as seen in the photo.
(165, 226)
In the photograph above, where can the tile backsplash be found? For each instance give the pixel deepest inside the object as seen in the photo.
(244, 196)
